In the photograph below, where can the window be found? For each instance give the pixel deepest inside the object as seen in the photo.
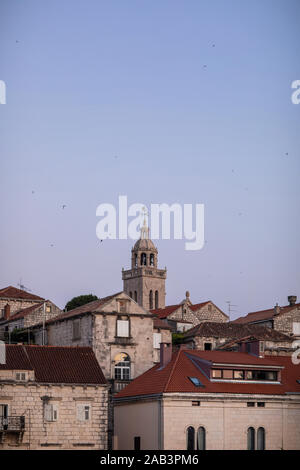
(201, 437)
(196, 381)
(48, 308)
(122, 366)
(261, 439)
(3, 411)
(76, 329)
(261, 404)
(152, 259)
(250, 404)
(190, 438)
(216, 373)
(143, 259)
(130, 295)
(122, 306)
(50, 412)
(227, 374)
(207, 346)
(251, 439)
(83, 412)
(135, 296)
(238, 374)
(296, 328)
(156, 299)
(151, 300)
(156, 340)
(137, 443)
(123, 328)
(135, 260)
(195, 403)
(21, 376)
(261, 375)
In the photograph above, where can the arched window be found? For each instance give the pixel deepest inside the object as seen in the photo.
(201, 438)
(143, 259)
(135, 260)
(190, 438)
(135, 295)
(152, 259)
(156, 299)
(122, 366)
(251, 439)
(130, 295)
(150, 300)
(261, 439)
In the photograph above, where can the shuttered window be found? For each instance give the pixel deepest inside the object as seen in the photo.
(123, 328)
(50, 412)
(156, 340)
(296, 328)
(83, 412)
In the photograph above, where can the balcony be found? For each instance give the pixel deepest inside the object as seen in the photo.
(118, 385)
(12, 424)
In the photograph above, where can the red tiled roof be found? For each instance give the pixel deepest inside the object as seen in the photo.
(235, 331)
(169, 309)
(165, 312)
(158, 323)
(24, 312)
(174, 377)
(86, 308)
(55, 364)
(264, 314)
(11, 292)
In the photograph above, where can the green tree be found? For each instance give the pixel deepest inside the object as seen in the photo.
(80, 300)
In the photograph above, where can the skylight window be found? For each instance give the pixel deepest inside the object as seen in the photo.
(196, 381)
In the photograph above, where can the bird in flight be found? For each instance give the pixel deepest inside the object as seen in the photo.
(63, 206)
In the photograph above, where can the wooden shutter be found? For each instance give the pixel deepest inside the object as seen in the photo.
(123, 328)
(156, 340)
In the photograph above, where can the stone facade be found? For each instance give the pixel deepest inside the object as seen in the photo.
(67, 431)
(31, 316)
(98, 329)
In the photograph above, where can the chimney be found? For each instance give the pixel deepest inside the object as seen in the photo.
(276, 309)
(165, 353)
(292, 299)
(6, 312)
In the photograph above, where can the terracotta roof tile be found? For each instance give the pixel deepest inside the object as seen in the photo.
(174, 377)
(160, 324)
(235, 331)
(11, 292)
(26, 311)
(55, 364)
(263, 315)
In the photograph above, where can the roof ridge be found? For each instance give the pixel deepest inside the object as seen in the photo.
(172, 370)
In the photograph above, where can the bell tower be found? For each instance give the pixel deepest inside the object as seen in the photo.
(145, 282)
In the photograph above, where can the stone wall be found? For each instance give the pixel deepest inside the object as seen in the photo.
(68, 432)
(284, 321)
(16, 305)
(209, 312)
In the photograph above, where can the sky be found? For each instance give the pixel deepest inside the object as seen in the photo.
(170, 101)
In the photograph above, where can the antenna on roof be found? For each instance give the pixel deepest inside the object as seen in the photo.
(230, 309)
(21, 286)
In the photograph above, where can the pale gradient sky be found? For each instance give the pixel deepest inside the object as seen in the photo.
(90, 80)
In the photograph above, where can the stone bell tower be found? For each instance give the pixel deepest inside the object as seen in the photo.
(144, 282)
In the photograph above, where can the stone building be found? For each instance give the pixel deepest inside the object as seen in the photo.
(52, 398)
(124, 336)
(21, 309)
(285, 319)
(30, 316)
(214, 400)
(181, 317)
(211, 335)
(145, 282)
(16, 299)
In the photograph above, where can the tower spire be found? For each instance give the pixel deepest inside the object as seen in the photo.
(144, 228)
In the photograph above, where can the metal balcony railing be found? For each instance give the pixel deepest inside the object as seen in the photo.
(12, 423)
